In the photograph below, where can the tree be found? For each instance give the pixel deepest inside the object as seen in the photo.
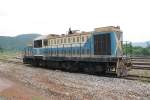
(145, 52)
(127, 48)
(148, 44)
(136, 50)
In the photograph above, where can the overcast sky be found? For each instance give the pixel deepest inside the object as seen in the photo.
(56, 16)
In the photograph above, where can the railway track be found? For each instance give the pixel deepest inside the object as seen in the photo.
(141, 63)
(132, 76)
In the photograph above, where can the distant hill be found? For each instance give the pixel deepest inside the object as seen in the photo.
(17, 42)
(21, 41)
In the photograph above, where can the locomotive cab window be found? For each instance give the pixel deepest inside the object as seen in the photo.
(38, 43)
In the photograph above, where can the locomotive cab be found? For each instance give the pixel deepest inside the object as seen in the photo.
(38, 45)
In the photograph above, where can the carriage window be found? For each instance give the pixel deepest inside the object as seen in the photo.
(68, 40)
(48, 42)
(58, 41)
(78, 39)
(73, 39)
(64, 40)
(51, 42)
(61, 40)
(54, 41)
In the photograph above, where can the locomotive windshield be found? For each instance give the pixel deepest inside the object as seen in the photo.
(37, 43)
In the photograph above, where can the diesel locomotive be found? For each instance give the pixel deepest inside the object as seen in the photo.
(97, 51)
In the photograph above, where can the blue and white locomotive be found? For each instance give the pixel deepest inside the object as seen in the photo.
(98, 51)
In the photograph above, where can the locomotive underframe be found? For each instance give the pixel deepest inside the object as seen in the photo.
(118, 65)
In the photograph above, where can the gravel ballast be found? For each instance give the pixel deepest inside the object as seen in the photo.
(57, 84)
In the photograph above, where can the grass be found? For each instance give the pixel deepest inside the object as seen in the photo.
(8, 54)
(141, 75)
(140, 72)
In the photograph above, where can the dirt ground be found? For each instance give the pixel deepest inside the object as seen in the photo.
(13, 90)
(23, 82)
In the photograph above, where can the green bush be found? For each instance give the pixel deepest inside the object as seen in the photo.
(128, 49)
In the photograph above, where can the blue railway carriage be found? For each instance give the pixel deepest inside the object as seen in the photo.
(98, 51)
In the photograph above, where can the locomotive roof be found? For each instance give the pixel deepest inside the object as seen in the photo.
(41, 37)
(66, 35)
(108, 29)
(100, 29)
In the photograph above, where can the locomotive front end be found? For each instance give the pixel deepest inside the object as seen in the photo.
(112, 42)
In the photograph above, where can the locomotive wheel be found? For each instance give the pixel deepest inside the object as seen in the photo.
(121, 69)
